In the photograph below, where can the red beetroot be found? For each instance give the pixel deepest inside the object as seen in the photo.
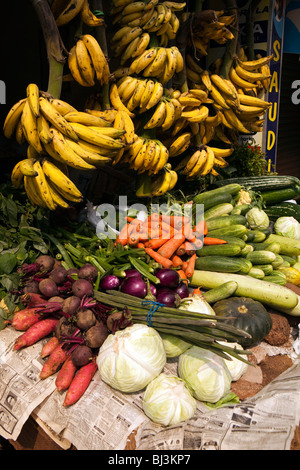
(80, 383)
(39, 330)
(25, 318)
(65, 375)
(54, 362)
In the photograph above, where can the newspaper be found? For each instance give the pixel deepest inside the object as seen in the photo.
(105, 418)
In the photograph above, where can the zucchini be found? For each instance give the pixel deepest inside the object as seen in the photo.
(260, 183)
(218, 210)
(221, 292)
(285, 209)
(261, 257)
(268, 293)
(280, 195)
(288, 246)
(224, 264)
(229, 189)
(220, 222)
(219, 250)
(237, 230)
(256, 272)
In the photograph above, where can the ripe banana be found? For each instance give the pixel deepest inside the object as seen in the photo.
(255, 64)
(180, 144)
(12, 118)
(43, 129)
(33, 93)
(72, 9)
(250, 75)
(56, 119)
(158, 116)
(155, 95)
(88, 16)
(238, 81)
(96, 137)
(61, 106)
(61, 180)
(43, 187)
(29, 124)
(169, 117)
(142, 61)
(74, 68)
(87, 119)
(66, 153)
(98, 58)
(161, 184)
(116, 100)
(90, 157)
(199, 166)
(84, 63)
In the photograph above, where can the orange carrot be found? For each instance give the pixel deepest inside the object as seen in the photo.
(176, 221)
(197, 291)
(54, 362)
(80, 383)
(201, 227)
(36, 332)
(183, 276)
(154, 217)
(65, 374)
(213, 241)
(191, 266)
(186, 248)
(123, 235)
(170, 247)
(176, 260)
(156, 243)
(140, 245)
(130, 219)
(133, 239)
(25, 318)
(165, 262)
(184, 266)
(51, 344)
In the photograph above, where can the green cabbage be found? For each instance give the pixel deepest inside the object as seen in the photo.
(174, 346)
(287, 227)
(235, 366)
(257, 219)
(205, 373)
(168, 401)
(129, 359)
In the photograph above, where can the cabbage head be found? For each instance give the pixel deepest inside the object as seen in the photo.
(205, 373)
(174, 346)
(235, 366)
(168, 401)
(287, 227)
(257, 219)
(129, 359)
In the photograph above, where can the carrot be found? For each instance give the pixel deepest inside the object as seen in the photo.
(165, 262)
(133, 239)
(25, 318)
(184, 266)
(213, 241)
(176, 221)
(130, 219)
(54, 362)
(156, 243)
(201, 227)
(176, 260)
(49, 346)
(186, 248)
(65, 375)
(123, 235)
(183, 276)
(140, 245)
(80, 383)
(191, 266)
(170, 247)
(36, 332)
(197, 291)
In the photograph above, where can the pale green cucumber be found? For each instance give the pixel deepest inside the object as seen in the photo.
(288, 246)
(221, 292)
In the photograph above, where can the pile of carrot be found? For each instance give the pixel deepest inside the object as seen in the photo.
(171, 240)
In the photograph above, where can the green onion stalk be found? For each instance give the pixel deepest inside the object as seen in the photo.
(196, 328)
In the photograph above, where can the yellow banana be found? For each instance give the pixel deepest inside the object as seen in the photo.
(85, 63)
(74, 68)
(61, 106)
(146, 95)
(126, 39)
(72, 9)
(128, 127)
(209, 163)
(250, 75)
(174, 179)
(89, 157)
(222, 85)
(98, 58)
(180, 144)
(133, 8)
(232, 118)
(175, 6)
(42, 185)
(126, 87)
(189, 99)
(255, 64)
(218, 97)
(219, 152)
(96, 137)
(163, 159)
(29, 123)
(18, 173)
(66, 153)
(149, 154)
(198, 93)
(56, 119)
(155, 159)
(179, 59)
(135, 99)
(88, 16)
(87, 119)
(158, 116)
(19, 133)
(43, 129)
(189, 163)
(161, 183)
(60, 179)
(197, 114)
(141, 46)
(142, 61)
(170, 116)
(199, 166)
(138, 161)
(238, 81)
(26, 167)
(33, 93)
(170, 67)
(116, 101)
(126, 55)
(155, 95)
(157, 64)
(33, 193)
(151, 22)
(12, 118)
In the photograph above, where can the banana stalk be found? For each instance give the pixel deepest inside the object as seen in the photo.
(54, 45)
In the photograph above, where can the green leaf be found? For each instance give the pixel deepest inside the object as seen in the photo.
(8, 262)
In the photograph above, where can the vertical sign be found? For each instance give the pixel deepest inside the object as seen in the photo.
(275, 48)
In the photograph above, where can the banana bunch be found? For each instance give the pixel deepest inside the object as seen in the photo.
(146, 155)
(148, 186)
(158, 62)
(248, 75)
(166, 113)
(203, 161)
(144, 17)
(87, 62)
(66, 11)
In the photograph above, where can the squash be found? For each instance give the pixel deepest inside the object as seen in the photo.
(246, 314)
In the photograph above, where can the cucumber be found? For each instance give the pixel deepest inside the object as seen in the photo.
(234, 241)
(256, 272)
(220, 222)
(276, 296)
(288, 246)
(218, 210)
(290, 259)
(257, 235)
(277, 261)
(274, 247)
(219, 250)
(280, 195)
(266, 268)
(221, 292)
(224, 264)
(285, 209)
(261, 257)
(260, 183)
(247, 249)
(237, 230)
(229, 189)
(276, 279)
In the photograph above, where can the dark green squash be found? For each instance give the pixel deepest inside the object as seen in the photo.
(246, 314)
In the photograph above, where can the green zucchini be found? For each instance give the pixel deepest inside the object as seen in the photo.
(237, 230)
(273, 295)
(276, 196)
(221, 292)
(224, 264)
(256, 272)
(218, 210)
(229, 249)
(261, 257)
(230, 189)
(260, 183)
(220, 222)
(284, 209)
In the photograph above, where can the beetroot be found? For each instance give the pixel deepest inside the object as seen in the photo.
(71, 304)
(59, 275)
(82, 287)
(31, 286)
(89, 272)
(48, 288)
(81, 355)
(96, 335)
(85, 319)
(45, 262)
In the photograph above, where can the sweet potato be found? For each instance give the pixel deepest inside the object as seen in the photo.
(25, 318)
(49, 347)
(80, 383)
(30, 299)
(36, 332)
(54, 362)
(65, 375)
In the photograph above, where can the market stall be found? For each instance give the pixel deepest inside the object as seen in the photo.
(149, 260)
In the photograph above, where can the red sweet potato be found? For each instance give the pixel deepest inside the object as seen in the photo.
(54, 362)
(49, 346)
(80, 383)
(65, 375)
(39, 330)
(25, 318)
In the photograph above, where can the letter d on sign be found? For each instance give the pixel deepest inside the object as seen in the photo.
(271, 140)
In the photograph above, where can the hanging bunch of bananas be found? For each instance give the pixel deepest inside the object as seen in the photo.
(56, 132)
(162, 183)
(66, 11)
(202, 160)
(87, 62)
(167, 111)
(138, 19)
(158, 62)
(146, 155)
